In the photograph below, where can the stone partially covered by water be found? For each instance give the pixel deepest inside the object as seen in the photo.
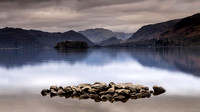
(100, 91)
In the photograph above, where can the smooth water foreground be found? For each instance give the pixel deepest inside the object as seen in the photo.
(25, 72)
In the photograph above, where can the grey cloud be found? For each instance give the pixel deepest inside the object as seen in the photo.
(117, 15)
(85, 4)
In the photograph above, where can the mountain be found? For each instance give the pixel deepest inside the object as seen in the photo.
(20, 38)
(110, 41)
(180, 32)
(151, 31)
(99, 34)
(15, 38)
(185, 33)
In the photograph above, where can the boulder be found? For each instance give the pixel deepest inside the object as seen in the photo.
(106, 97)
(86, 88)
(158, 90)
(53, 93)
(68, 90)
(61, 92)
(44, 92)
(111, 85)
(120, 97)
(122, 91)
(111, 90)
(85, 96)
(54, 88)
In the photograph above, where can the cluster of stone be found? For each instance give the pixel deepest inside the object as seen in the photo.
(102, 92)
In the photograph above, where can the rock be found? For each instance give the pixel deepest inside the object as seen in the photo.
(61, 92)
(111, 90)
(158, 90)
(68, 90)
(115, 95)
(118, 86)
(53, 93)
(103, 92)
(86, 88)
(124, 100)
(44, 92)
(145, 94)
(100, 91)
(83, 85)
(84, 96)
(120, 97)
(112, 85)
(133, 96)
(122, 91)
(106, 97)
(54, 88)
(102, 83)
(112, 100)
(60, 88)
(93, 96)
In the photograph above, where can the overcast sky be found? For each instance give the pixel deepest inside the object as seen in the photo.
(117, 15)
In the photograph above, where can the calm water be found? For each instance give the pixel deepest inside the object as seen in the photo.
(30, 70)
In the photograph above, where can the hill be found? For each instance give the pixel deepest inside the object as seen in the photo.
(20, 38)
(151, 31)
(110, 41)
(99, 34)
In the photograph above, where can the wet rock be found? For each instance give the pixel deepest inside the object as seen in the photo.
(120, 97)
(103, 92)
(93, 91)
(55, 88)
(111, 90)
(83, 85)
(101, 83)
(86, 88)
(61, 92)
(133, 96)
(44, 92)
(111, 85)
(60, 88)
(68, 90)
(93, 96)
(122, 91)
(118, 86)
(158, 90)
(106, 97)
(100, 91)
(85, 96)
(53, 93)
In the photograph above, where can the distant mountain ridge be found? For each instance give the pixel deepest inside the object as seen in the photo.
(151, 31)
(20, 38)
(110, 41)
(100, 34)
(180, 32)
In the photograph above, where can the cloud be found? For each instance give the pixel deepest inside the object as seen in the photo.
(117, 15)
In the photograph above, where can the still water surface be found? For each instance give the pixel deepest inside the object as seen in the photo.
(30, 70)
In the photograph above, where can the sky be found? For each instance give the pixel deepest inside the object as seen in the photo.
(117, 15)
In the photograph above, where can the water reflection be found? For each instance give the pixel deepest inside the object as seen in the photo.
(177, 69)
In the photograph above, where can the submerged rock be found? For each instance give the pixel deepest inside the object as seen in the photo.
(100, 91)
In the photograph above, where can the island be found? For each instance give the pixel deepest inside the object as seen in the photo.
(71, 45)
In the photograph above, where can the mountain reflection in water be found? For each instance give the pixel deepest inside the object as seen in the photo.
(176, 69)
(179, 59)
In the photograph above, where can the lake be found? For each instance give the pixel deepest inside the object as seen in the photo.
(25, 72)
